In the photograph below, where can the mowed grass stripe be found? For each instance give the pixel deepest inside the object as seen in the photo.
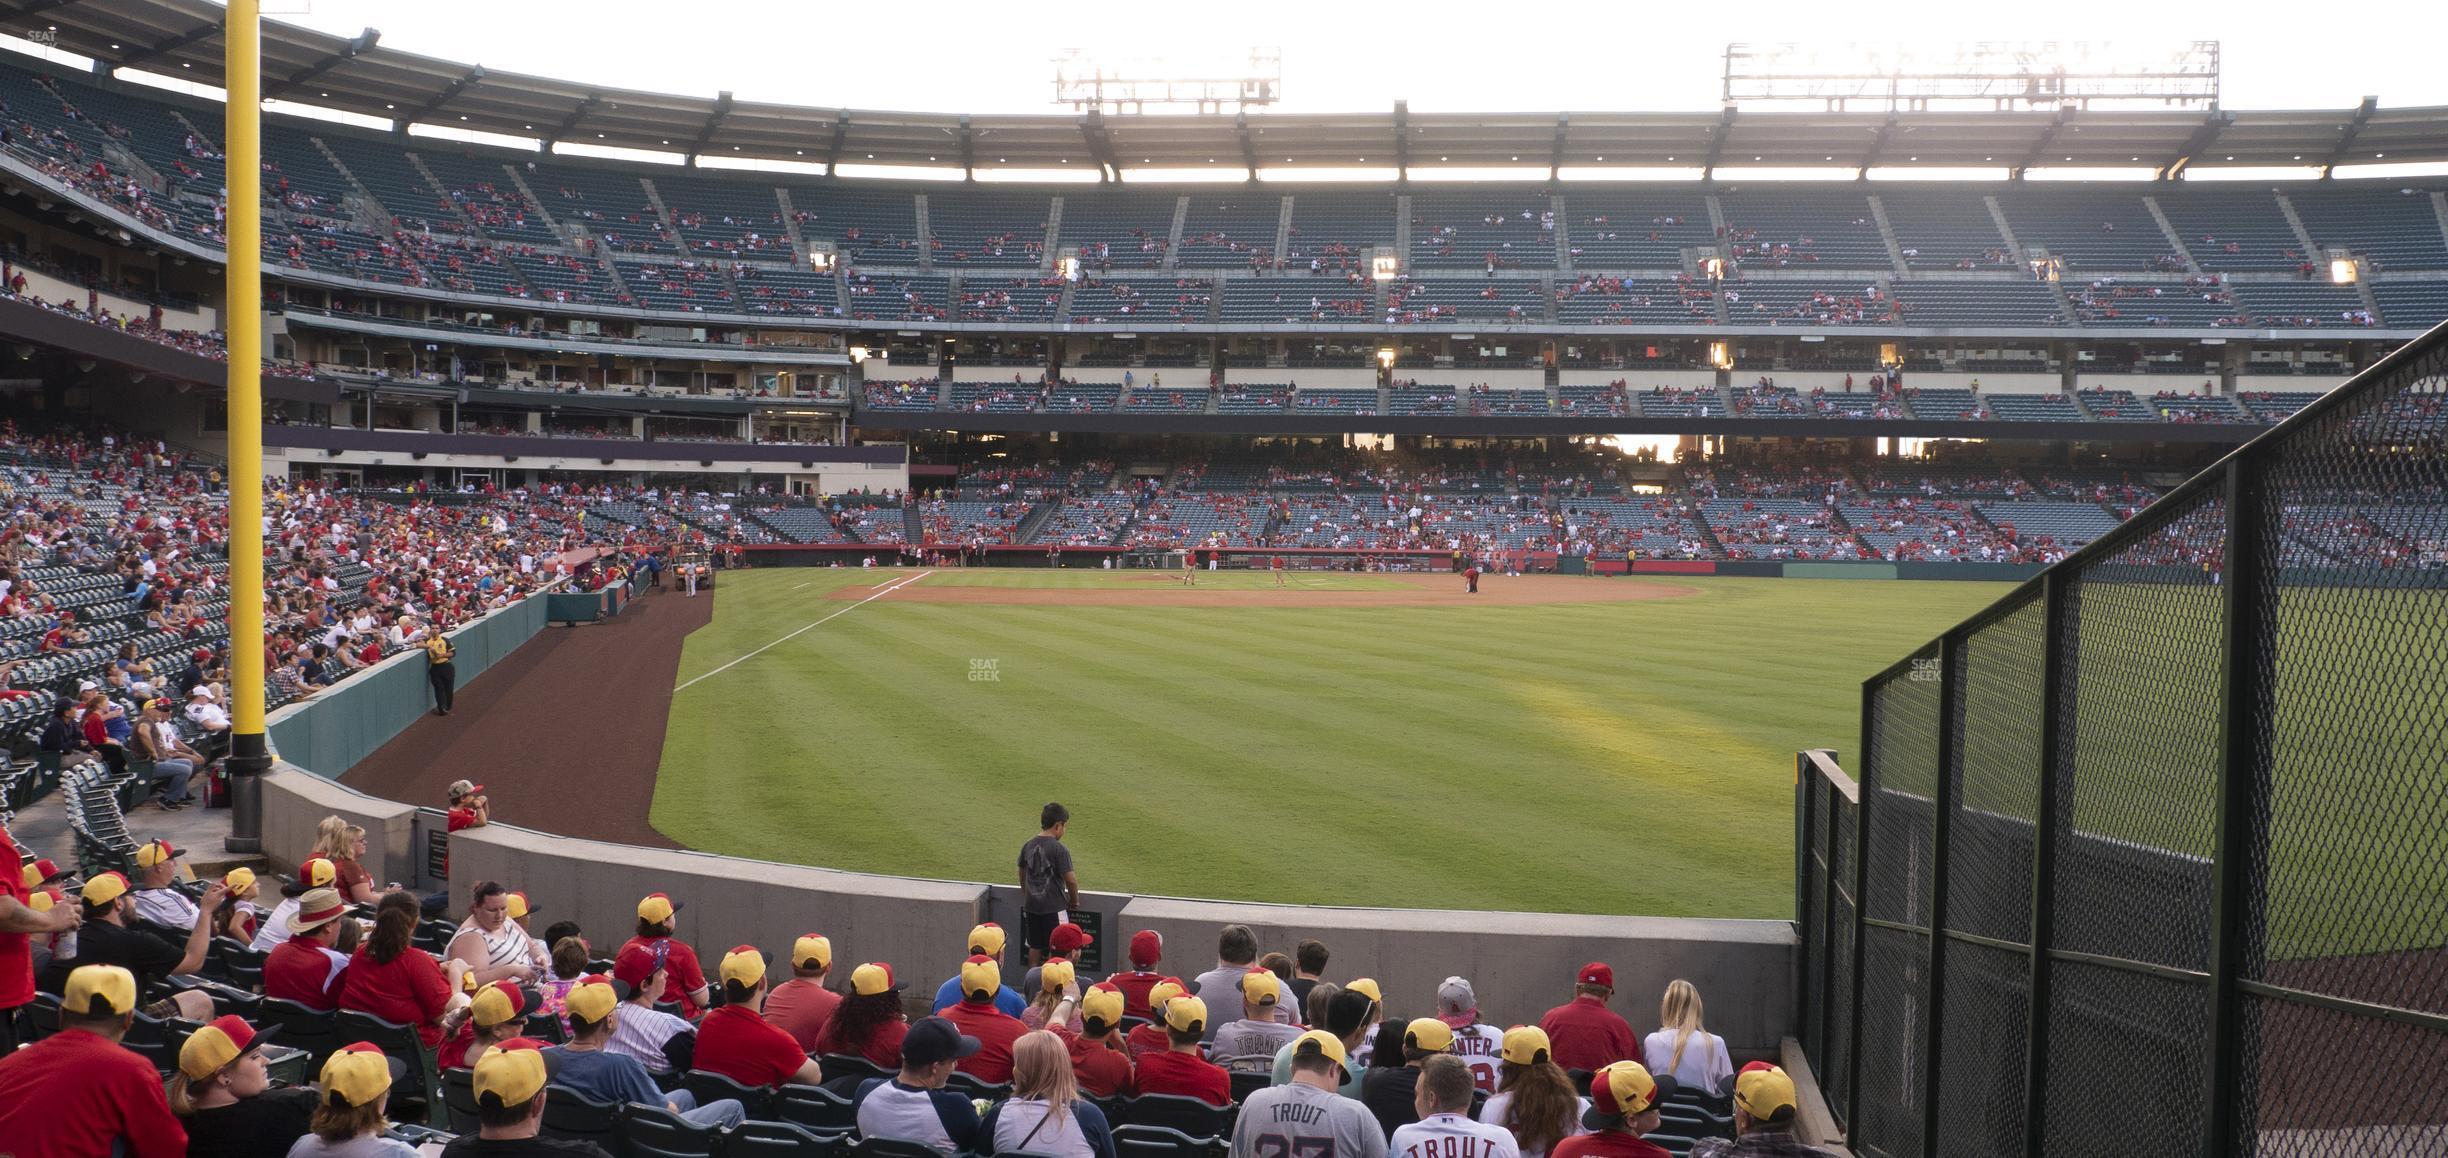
(1467, 756)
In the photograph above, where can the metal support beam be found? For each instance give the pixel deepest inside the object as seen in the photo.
(1951, 692)
(2246, 674)
(193, 35)
(2211, 127)
(2052, 811)
(358, 45)
(569, 124)
(2346, 138)
(1402, 143)
(1716, 149)
(1100, 145)
(1866, 783)
(449, 93)
(1555, 153)
(968, 146)
(1878, 145)
(1249, 149)
(841, 134)
(714, 120)
(2048, 137)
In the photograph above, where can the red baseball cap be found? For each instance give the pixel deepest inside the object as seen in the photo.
(1146, 948)
(1598, 973)
(1067, 937)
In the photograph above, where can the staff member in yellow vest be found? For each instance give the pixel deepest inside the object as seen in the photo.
(439, 669)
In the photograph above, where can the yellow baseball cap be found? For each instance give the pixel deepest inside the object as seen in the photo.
(105, 888)
(1527, 1045)
(1186, 1015)
(221, 1041)
(155, 852)
(317, 872)
(871, 979)
(497, 1003)
(1767, 1094)
(1367, 986)
(1259, 987)
(812, 951)
(1320, 1042)
(986, 940)
(1164, 991)
(592, 999)
(1102, 1003)
(239, 879)
(356, 1075)
(744, 964)
(1429, 1034)
(655, 910)
(1055, 974)
(515, 906)
(41, 900)
(99, 989)
(511, 1073)
(980, 977)
(1621, 1090)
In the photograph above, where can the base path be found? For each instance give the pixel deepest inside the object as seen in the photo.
(565, 734)
(1164, 589)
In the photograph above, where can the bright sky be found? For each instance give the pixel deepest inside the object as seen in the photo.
(964, 56)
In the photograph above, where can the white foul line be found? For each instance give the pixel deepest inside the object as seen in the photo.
(880, 593)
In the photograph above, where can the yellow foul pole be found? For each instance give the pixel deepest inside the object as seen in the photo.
(242, 320)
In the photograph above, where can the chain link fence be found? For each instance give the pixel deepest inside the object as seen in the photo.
(2152, 856)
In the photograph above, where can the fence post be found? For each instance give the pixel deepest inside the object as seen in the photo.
(2244, 675)
(1861, 907)
(2056, 635)
(1806, 799)
(1942, 805)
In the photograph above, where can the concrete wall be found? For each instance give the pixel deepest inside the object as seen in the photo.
(1639, 380)
(1521, 964)
(2260, 382)
(916, 925)
(296, 800)
(1951, 380)
(2145, 385)
(1492, 379)
(1307, 377)
(1028, 374)
(51, 289)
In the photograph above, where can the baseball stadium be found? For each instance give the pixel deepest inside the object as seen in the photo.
(1941, 551)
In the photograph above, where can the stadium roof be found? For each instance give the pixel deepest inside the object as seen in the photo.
(182, 38)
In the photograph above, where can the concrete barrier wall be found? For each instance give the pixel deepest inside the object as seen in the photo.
(1639, 380)
(1492, 379)
(1307, 377)
(917, 926)
(331, 732)
(1952, 380)
(296, 800)
(1521, 964)
(2287, 382)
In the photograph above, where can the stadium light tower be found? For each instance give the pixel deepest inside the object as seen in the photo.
(1994, 75)
(1135, 84)
(242, 321)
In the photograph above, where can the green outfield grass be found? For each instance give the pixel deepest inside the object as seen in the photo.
(1600, 757)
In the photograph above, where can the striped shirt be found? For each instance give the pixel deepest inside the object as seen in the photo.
(641, 1031)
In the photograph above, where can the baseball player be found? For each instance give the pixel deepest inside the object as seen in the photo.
(1279, 571)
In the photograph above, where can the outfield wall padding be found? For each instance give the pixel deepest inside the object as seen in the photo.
(1840, 570)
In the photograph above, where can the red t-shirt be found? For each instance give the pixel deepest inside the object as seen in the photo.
(409, 989)
(1608, 1144)
(74, 1094)
(1184, 1074)
(16, 949)
(1586, 1035)
(995, 1031)
(1103, 1069)
(636, 963)
(459, 818)
(301, 971)
(1145, 1040)
(1134, 985)
(736, 1042)
(347, 874)
(800, 1008)
(883, 1044)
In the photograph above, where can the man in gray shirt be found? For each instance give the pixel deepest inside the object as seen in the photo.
(1049, 890)
(1308, 1116)
(1249, 1045)
(1220, 987)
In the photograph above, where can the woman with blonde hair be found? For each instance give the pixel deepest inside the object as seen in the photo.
(1684, 1047)
(344, 844)
(1045, 1114)
(1534, 1097)
(1057, 996)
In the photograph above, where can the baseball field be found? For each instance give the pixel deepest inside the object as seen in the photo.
(1568, 744)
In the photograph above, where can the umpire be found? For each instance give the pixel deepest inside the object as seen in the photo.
(443, 674)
